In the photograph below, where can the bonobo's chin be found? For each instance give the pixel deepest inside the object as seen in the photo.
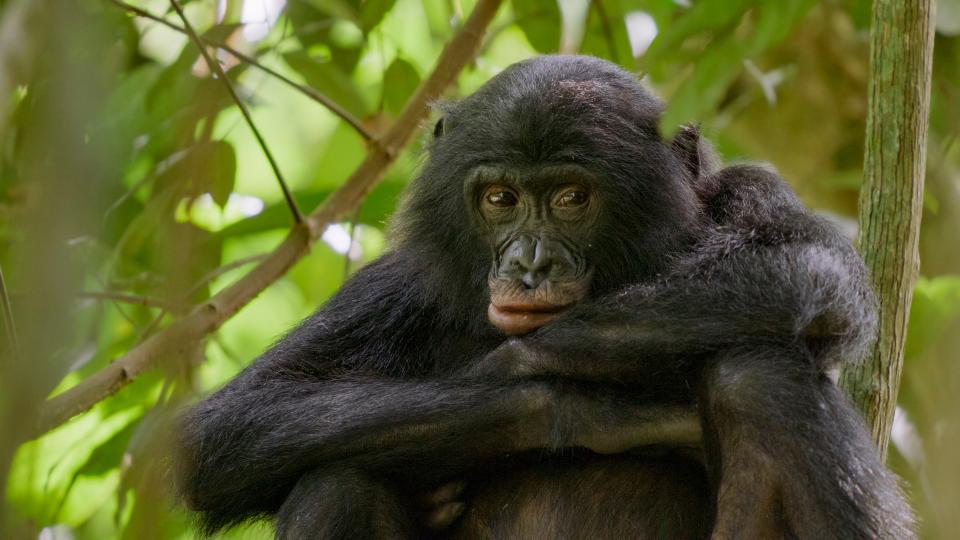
(516, 319)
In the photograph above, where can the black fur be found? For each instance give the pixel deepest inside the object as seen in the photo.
(711, 289)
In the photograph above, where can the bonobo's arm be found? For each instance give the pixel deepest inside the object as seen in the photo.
(337, 392)
(746, 323)
(764, 272)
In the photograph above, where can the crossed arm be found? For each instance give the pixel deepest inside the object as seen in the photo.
(327, 395)
(248, 444)
(612, 374)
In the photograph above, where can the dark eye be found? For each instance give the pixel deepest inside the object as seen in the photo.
(571, 198)
(499, 197)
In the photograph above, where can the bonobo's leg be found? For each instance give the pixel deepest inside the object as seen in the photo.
(789, 456)
(334, 504)
(584, 496)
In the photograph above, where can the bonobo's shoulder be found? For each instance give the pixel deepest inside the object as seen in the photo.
(746, 181)
(758, 202)
(747, 194)
(384, 283)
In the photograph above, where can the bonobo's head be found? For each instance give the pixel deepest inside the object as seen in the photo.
(549, 184)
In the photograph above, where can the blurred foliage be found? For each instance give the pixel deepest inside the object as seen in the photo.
(126, 169)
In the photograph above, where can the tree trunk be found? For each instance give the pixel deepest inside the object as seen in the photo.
(891, 197)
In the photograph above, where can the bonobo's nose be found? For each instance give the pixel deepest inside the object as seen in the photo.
(532, 260)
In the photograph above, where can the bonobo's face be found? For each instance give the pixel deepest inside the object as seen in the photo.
(568, 188)
(538, 223)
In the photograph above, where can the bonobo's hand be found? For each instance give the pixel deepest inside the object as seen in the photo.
(513, 359)
(442, 506)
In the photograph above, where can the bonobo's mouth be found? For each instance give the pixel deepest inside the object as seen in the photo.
(518, 318)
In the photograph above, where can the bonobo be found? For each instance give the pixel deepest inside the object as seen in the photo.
(586, 330)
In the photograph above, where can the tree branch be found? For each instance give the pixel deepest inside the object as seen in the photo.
(311, 93)
(217, 69)
(209, 316)
(891, 197)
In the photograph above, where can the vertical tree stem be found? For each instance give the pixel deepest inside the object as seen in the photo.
(891, 198)
(8, 322)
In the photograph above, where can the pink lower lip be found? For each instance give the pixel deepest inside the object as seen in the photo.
(528, 308)
(519, 319)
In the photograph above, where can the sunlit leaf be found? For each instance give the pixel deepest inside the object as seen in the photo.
(205, 167)
(330, 80)
(316, 27)
(372, 12)
(222, 166)
(376, 208)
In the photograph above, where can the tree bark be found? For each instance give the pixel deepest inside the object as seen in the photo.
(891, 197)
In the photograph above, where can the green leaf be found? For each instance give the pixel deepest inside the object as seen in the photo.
(330, 80)
(775, 19)
(377, 207)
(540, 21)
(399, 83)
(205, 167)
(702, 90)
(372, 12)
(108, 455)
(222, 32)
(222, 170)
(605, 33)
(328, 27)
(342, 9)
(721, 62)
(704, 16)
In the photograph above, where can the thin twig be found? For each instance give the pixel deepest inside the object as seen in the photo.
(311, 93)
(607, 29)
(217, 272)
(217, 69)
(207, 278)
(134, 299)
(8, 323)
(210, 315)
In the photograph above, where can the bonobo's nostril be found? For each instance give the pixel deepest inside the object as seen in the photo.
(531, 261)
(532, 280)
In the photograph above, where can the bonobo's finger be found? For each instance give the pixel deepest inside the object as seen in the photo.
(443, 494)
(444, 516)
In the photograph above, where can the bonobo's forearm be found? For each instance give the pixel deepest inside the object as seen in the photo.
(777, 295)
(256, 437)
(244, 446)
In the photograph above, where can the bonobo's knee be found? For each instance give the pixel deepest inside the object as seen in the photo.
(341, 504)
(757, 381)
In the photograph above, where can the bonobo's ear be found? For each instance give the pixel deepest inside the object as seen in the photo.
(693, 151)
(438, 129)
